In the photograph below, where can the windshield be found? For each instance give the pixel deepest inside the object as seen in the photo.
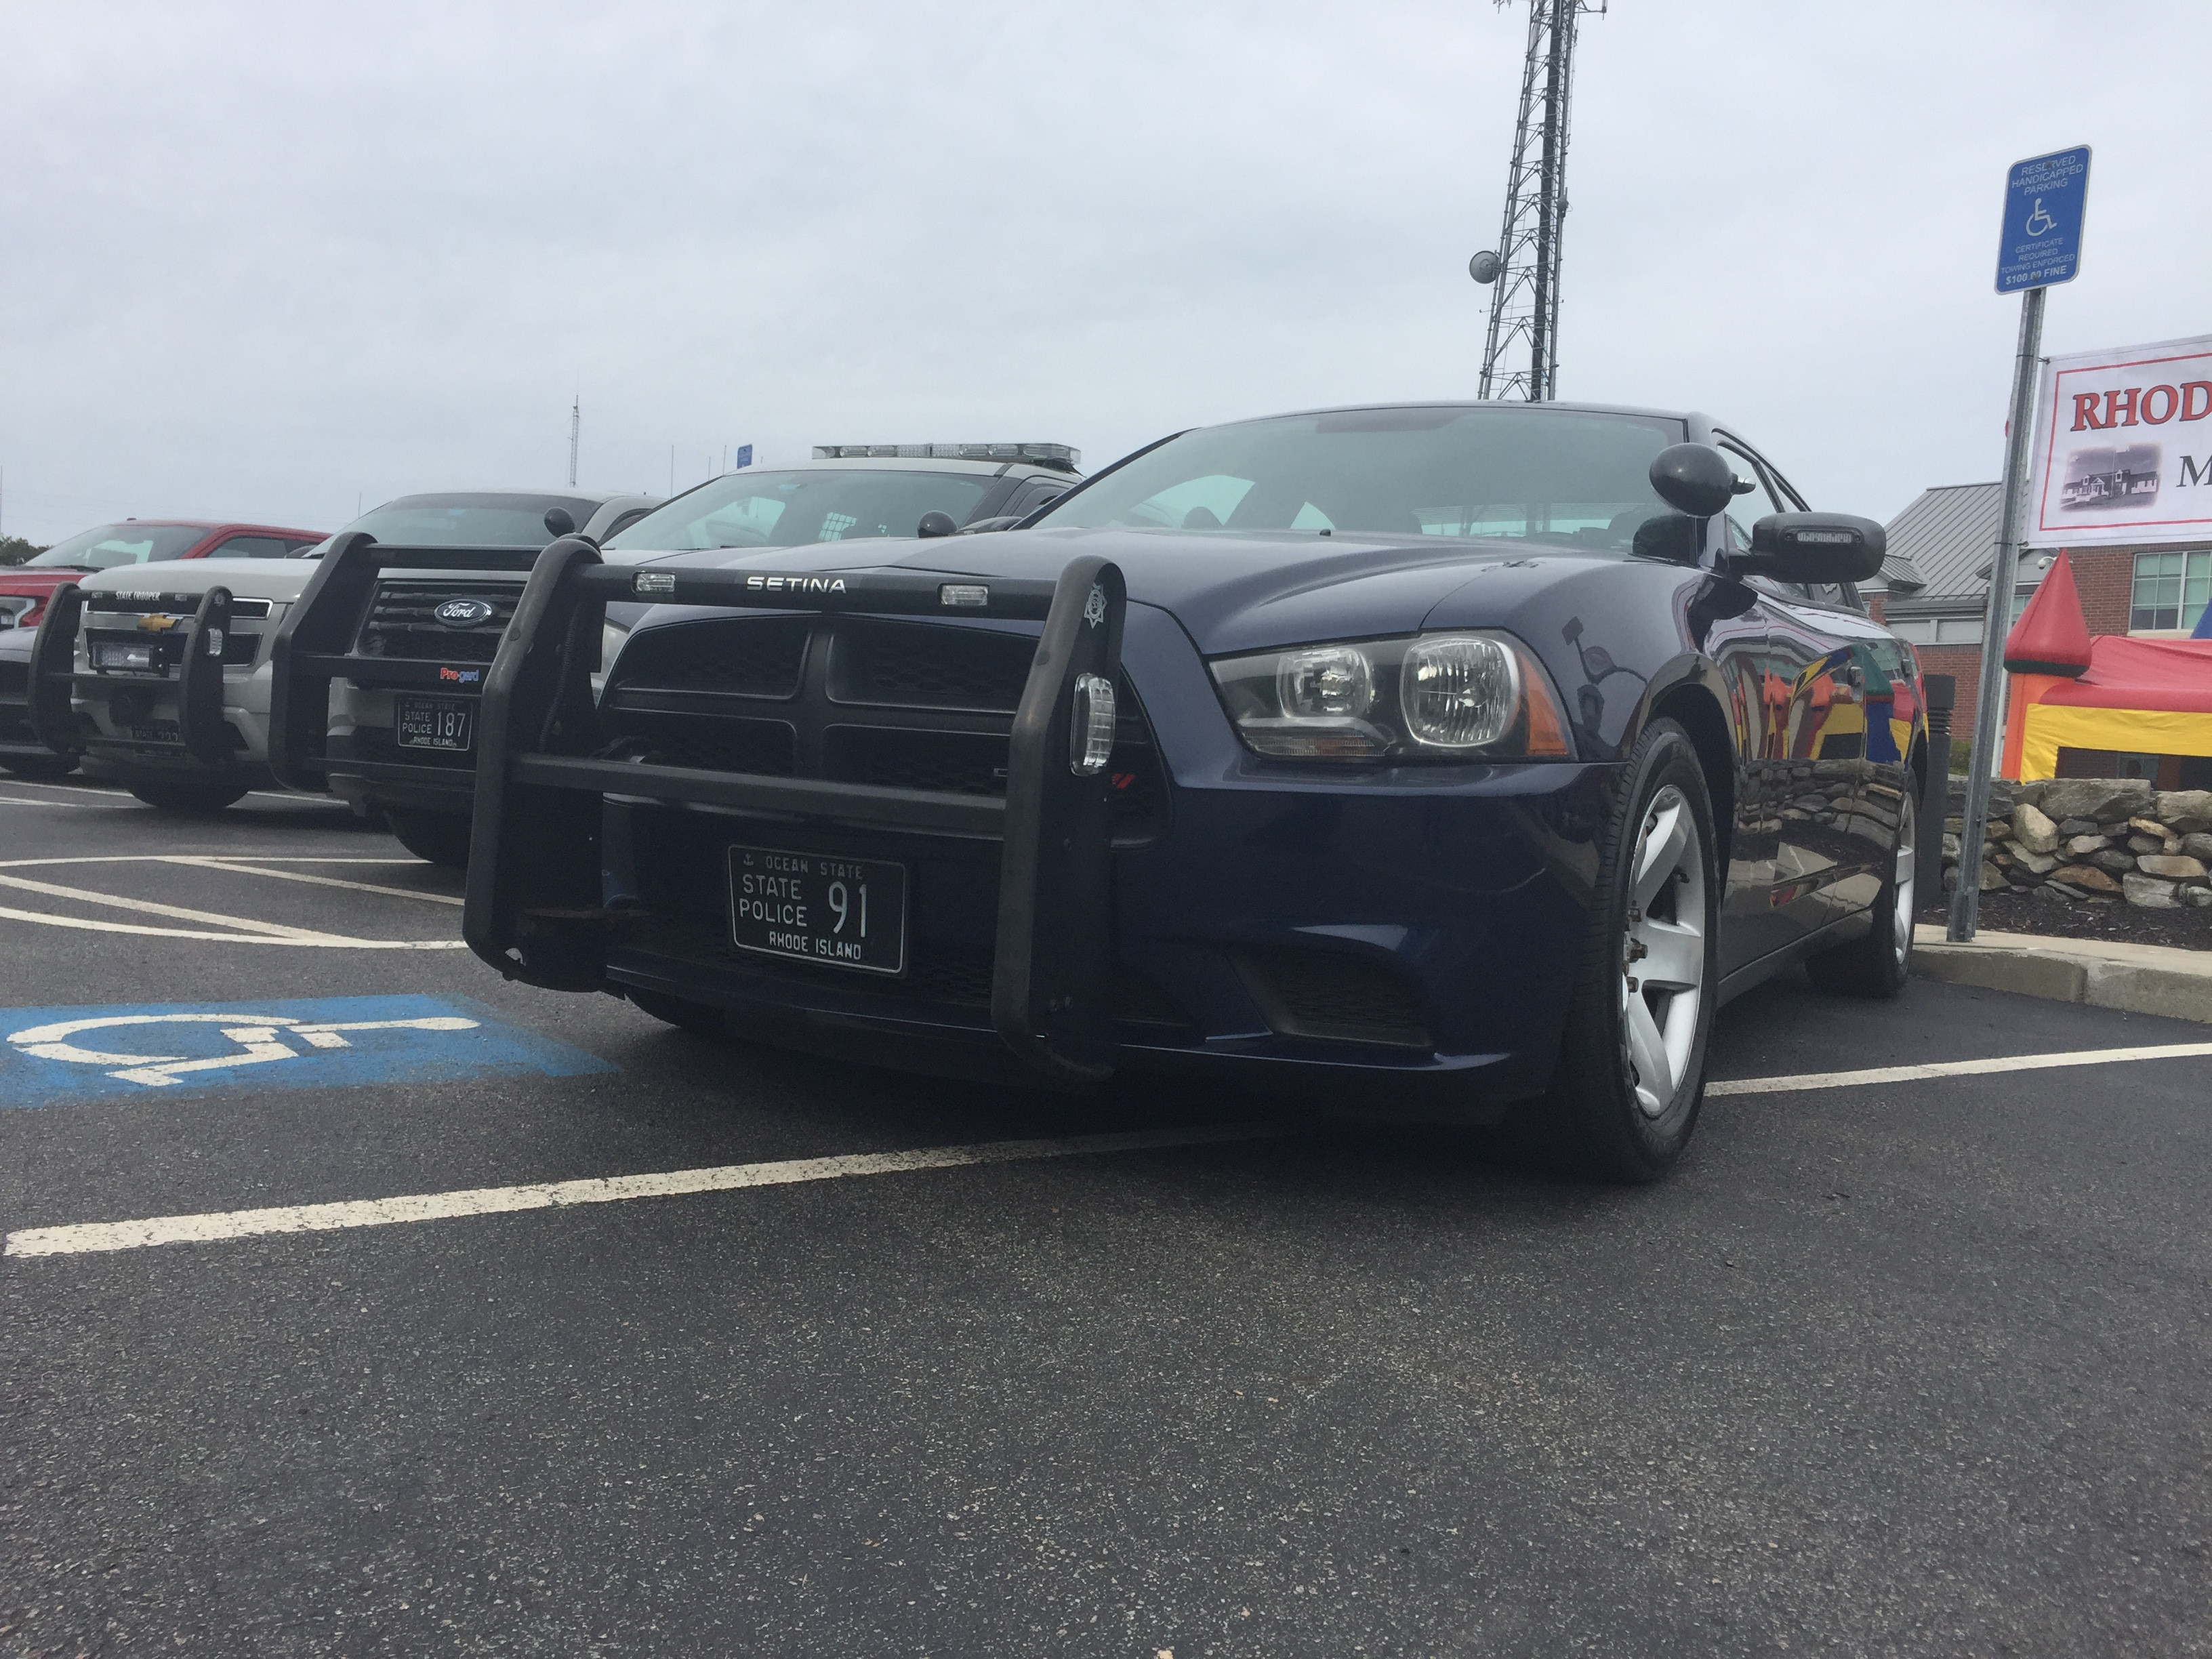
(111, 544)
(1547, 475)
(478, 520)
(790, 509)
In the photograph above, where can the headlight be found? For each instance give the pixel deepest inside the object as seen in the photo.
(1433, 697)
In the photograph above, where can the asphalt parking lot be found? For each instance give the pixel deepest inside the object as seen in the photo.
(1906, 1365)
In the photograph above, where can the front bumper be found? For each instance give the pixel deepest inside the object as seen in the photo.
(192, 712)
(1414, 928)
(1415, 938)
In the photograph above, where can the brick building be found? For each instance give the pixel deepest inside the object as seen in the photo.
(1933, 589)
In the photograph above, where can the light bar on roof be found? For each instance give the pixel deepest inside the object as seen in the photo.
(1042, 454)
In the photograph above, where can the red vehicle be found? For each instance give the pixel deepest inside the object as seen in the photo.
(25, 589)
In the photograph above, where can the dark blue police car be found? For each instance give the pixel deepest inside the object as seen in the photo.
(1459, 757)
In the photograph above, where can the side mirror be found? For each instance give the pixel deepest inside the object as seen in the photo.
(558, 521)
(936, 524)
(1814, 547)
(1693, 478)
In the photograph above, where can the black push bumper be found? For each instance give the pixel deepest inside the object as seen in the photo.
(186, 653)
(535, 907)
(318, 643)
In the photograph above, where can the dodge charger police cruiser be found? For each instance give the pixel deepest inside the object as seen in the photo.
(1452, 757)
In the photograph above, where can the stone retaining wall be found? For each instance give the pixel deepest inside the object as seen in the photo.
(2074, 841)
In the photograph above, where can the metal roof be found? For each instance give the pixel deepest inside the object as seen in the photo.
(1944, 541)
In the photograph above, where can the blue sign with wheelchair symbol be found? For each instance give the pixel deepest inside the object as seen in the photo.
(53, 1056)
(2046, 197)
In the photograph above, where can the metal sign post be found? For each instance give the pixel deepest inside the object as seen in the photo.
(2046, 197)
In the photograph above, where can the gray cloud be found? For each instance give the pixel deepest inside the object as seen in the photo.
(265, 259)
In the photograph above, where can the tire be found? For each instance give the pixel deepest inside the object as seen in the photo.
(1877, 964)
(195, 796)
(678, 1010)
(1632, 1073)
(40, 769)
(440, 837)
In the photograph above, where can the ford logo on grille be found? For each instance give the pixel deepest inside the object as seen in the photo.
(463, 613)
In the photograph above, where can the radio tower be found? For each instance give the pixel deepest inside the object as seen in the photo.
(1524, 303)
(575, 431)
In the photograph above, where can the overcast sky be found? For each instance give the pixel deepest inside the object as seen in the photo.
(270, 261)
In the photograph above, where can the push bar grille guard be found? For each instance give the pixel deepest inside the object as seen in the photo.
(315, 643)
(194, 646)
(534, 908)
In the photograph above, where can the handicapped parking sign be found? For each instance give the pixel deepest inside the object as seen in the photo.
(53, 1055)
(2046, 197)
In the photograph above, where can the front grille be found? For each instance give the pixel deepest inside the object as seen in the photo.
(706, 742)
(401, 625)
(965, 762)
(744, 659)
(899, 665)
(1334, 995)
(239, 650)
(14, 679)
(940, 698)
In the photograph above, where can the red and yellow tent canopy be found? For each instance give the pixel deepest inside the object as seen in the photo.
(2070, 692)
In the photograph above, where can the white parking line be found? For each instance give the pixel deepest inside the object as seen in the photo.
(152, 907)
(73, 805)
(212, 863)
(333, 942)
(96, 1236)
(1782, 1086)
(251, 931)
(156, 858)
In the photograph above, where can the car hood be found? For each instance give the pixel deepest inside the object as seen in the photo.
(15, 579)
(1230, 591)
(279, 580)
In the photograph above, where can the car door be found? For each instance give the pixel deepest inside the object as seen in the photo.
(1741, 647)
(1829, 836)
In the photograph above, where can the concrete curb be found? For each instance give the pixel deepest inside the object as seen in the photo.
(2135, 979)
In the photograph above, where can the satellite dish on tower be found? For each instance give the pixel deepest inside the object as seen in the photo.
(1485, 267)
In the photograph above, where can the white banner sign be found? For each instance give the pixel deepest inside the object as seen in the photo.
(2124, 450)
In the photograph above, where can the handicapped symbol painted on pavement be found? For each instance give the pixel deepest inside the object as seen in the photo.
(54, 1055)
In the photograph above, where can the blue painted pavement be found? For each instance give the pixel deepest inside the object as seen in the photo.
(54, 1057)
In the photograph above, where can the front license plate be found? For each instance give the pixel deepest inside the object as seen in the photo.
(435, 722)
(157, 732)
(808, 907)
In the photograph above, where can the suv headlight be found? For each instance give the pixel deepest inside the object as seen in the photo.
(1459, 695)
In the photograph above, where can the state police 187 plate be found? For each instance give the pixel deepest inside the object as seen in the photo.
(812, 907)
(436, 722)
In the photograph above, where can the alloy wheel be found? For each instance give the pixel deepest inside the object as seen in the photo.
(1908, 836)
(1663, 963)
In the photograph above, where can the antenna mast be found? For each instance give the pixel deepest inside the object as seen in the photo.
(1524, 303)
(575, 430)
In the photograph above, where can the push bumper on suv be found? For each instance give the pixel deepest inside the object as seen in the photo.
(360, 627)
(1414, 927)
(195, 706)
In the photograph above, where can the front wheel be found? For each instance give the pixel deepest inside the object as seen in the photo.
(195, 796)
(1632, 1071)
(440, 837)
(1878, 964)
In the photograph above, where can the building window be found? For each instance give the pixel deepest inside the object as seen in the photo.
(1920, 632)
(2171, 590)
